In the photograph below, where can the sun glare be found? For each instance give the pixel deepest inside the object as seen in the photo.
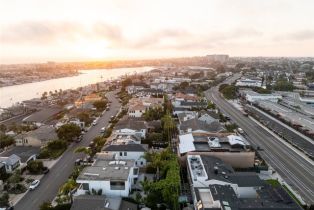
(94, 49)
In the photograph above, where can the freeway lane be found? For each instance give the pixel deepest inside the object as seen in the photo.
(293, 168)
(60, 172)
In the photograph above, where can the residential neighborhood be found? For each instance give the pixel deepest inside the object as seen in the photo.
(153, 140)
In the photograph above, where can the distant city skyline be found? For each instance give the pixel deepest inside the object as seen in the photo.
(74, 30)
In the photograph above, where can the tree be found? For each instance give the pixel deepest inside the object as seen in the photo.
(100, 105)
(283, 85)
(167, 189)
(45, 206)
(84, 117)
(153, 138)
(67, 187)
(228, 91)
(169, 127)
(85, 150)
(69, 132)
(57, 145)
(126, 82)
(4, 199)
(3, 128)
(6, 140)
(153, 114)
(35, 166)
(15, 177)
(211, 105)
(44, 95)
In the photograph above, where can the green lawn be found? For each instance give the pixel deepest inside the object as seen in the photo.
(273, 182)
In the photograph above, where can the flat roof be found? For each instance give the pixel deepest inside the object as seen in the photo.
(107, 170)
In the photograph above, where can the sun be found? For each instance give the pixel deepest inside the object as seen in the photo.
(94, 49)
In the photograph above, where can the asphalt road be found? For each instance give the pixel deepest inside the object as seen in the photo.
(296, 170)
(60, 172)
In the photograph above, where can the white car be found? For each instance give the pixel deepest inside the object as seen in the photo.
(34, 184)
(95, 122)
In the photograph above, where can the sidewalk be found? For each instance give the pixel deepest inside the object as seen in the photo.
(15, 198)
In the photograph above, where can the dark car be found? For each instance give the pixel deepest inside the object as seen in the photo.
(78, 162)
(45, 170)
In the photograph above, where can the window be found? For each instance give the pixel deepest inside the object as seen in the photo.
(141, 163)
(135, 171)
(117, 185)
(125, 154)
(85, 186)
(120, 154)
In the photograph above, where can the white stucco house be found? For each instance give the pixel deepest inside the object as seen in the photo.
(128, 152)
(110, 178)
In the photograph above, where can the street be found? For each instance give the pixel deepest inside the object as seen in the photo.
(297, 171)
(60, 172)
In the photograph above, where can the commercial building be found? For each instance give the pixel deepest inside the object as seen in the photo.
(252, 96)
(215, 185)
(246, 82)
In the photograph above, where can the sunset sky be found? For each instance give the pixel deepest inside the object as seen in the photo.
(74, 30)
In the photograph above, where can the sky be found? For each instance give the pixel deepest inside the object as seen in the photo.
(79, 30)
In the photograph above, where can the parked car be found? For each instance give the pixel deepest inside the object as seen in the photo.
(79, 139)
(102, 130)
(78, 162)
(94, 122)
(240, 130)
(45, 170)
(34, 185)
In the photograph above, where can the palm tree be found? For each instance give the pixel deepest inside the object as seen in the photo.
(85, 150)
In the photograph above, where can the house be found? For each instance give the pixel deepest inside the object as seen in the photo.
(195, 125)
(25, 154)
(96, 202)
(232, 149)
(208, 119)
(129, 125)
(42, 116)
(134, 152)
(11, 163)
(124, 138)
(132, 89)
(37, 138)
(110, 178)
(179, 98)
(136, 110)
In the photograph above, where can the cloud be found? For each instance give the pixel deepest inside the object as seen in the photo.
(38, 32)
(302, 35)
(52, 32)
(48, 33)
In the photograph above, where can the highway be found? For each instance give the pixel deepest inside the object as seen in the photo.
(60, 172)
(295, 170)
